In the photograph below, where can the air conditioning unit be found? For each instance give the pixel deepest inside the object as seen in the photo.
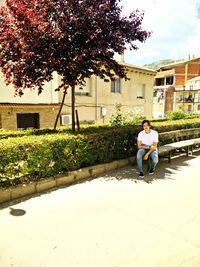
(66, 119)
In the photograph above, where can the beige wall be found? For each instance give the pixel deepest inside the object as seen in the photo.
(90, 107)
(30, 96)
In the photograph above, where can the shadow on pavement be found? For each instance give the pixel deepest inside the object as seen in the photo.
(164, 170)
(17, 212)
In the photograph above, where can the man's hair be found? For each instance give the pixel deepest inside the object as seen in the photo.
(146, 121)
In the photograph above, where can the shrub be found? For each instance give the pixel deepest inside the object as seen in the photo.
(117, 119)
(176, 115)
(120, 118)
(27, 158)
(35, 157)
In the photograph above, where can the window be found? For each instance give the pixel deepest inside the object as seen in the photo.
(141, 91)
(198, 108)
(169, 80)
(82, 93)
(189, 107)
(159, 81)
(116, 86)
(84, 90)
(27, 121)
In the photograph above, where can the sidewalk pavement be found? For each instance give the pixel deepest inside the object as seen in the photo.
(116, 220)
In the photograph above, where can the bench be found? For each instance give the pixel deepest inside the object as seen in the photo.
(187, 145)
(178, 140)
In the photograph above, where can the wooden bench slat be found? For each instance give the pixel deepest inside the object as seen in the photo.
(168, 148)
(180, 144)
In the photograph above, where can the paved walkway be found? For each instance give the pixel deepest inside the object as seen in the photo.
(116, 220)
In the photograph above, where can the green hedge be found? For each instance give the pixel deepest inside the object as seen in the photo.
(33, 157)
(160, 124)
(29, 158)
(165, 126)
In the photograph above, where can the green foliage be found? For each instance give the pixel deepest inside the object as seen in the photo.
(191, 115)
(6, 134)
(35, 157)
(165, 126)
(120, 118)
(79, 30)
(176, 115)
(29, 158)
(117, 119)
(132, 118)
(160, 63)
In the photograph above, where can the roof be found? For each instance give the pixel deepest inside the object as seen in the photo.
(136, 67)
(177, 63)
(26, 104)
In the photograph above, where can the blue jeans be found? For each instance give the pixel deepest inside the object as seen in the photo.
(154, 158)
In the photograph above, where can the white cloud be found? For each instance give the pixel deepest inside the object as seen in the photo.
(176, 29)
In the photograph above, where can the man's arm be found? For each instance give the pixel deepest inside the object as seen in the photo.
(152, 148)
(140, 145)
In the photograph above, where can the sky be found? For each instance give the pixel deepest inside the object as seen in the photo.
(175, 26)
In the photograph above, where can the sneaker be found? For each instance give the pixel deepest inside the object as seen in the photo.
(141, 175)
(151, 172)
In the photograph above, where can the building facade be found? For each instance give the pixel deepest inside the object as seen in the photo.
(29, 111)
(188, 97)
(172, 87)
(95, 101)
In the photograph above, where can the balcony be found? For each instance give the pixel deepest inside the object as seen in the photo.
(187, 100)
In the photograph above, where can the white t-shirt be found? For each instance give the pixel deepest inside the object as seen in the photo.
(148, 138)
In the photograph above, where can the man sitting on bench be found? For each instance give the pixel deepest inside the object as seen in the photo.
(147, 142)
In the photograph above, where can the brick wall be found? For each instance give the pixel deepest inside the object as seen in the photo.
(47, 115)
(169, 98)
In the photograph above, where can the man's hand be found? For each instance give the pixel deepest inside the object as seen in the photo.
(146, 156)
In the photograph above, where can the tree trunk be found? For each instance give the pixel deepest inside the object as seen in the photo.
(73, 108)
(61, 105)
(77, 120)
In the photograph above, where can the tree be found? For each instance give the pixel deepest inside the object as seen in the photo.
(75, 38)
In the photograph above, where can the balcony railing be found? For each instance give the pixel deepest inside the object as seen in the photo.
(187, 100)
